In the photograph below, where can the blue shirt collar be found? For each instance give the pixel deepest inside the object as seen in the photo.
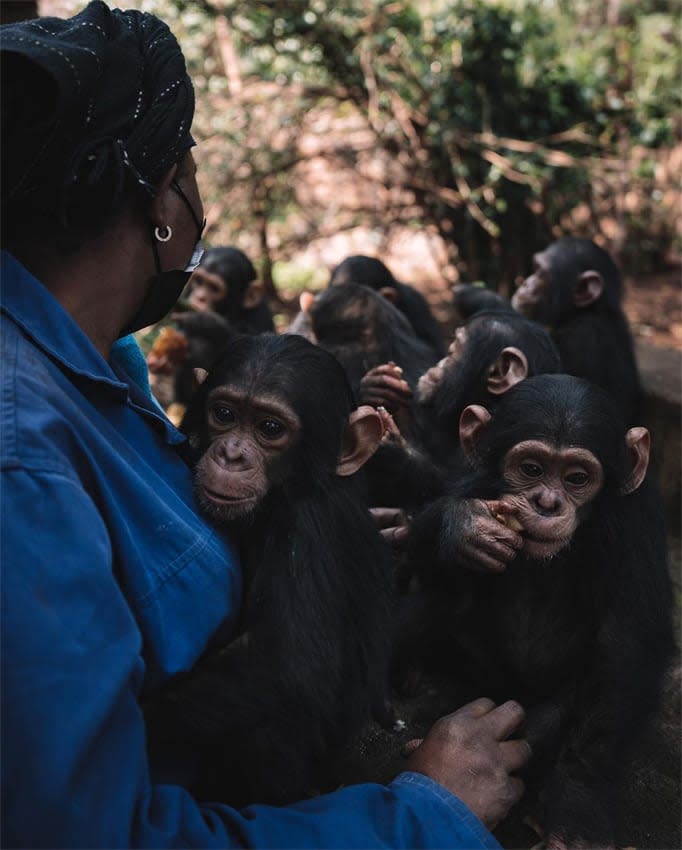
(43, 319)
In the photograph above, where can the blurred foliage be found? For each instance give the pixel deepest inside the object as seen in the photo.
(499, 125)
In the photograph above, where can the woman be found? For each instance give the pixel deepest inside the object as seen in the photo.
(111, 581)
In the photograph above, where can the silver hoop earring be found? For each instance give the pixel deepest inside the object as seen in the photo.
(167, 235)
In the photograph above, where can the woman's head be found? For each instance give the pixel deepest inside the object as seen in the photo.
(96, 110)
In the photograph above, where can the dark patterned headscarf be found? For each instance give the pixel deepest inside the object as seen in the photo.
(91, 105)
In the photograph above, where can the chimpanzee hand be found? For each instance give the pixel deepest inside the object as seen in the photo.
(468, 752)
(385, 386)
(479, 536)
(392, 433)
(393, 525)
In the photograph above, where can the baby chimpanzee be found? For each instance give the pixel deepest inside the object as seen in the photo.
(276, 441)
(578, 626)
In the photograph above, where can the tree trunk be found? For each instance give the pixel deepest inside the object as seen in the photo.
(228, 55)
(266, 266)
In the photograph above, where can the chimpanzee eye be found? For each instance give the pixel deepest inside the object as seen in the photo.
(271, 429)
(531, 470)
(577, 479)
(222, 413)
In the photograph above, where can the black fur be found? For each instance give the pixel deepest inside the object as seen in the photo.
(371, 272)
(465, 382)
(363, 330)
(581, 640)
(207, 335)
(595, 342)
(470, 299)
(235, 268)
(258, 718)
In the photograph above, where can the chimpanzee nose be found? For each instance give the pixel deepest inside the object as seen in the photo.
(547, 502)
(229, 450)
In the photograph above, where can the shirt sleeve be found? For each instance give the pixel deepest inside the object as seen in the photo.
(74, 767)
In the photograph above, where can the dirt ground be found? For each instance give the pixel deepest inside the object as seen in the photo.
(654, 307)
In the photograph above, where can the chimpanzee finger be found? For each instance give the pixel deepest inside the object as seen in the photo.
(377, 396)
(490, 530)
(389, 380)
(388, 517)
(391, 431)
(515, 754)
(505, 513)
(497, 549)
(485, 564)
(381, 399)
(479, 561)
(389, 368)
(396, 536)
(386, 383)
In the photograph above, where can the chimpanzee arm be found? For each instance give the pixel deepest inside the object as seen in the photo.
(454, 533)
(401, 477)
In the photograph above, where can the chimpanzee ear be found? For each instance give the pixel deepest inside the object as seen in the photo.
(200, 376)
(510, 367)
(473, 420)
(363, 435)
(638, 442)
(589, 289)
(253, 295)
(389, 293)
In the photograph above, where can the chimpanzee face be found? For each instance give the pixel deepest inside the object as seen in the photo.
(549, 488)
(553, 446)
(250, 439)
(458, 345)
(530, 295)
(206, 290)
(430, 381)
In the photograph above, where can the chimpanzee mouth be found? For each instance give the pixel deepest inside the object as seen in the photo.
(539, 548)
(222, 499)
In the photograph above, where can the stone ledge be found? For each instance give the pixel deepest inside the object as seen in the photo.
(661, 372)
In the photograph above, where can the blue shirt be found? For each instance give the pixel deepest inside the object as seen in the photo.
(111, 583)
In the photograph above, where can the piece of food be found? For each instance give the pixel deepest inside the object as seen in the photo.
(510, 521)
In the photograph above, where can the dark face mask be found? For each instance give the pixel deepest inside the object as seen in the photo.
(165, 287)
